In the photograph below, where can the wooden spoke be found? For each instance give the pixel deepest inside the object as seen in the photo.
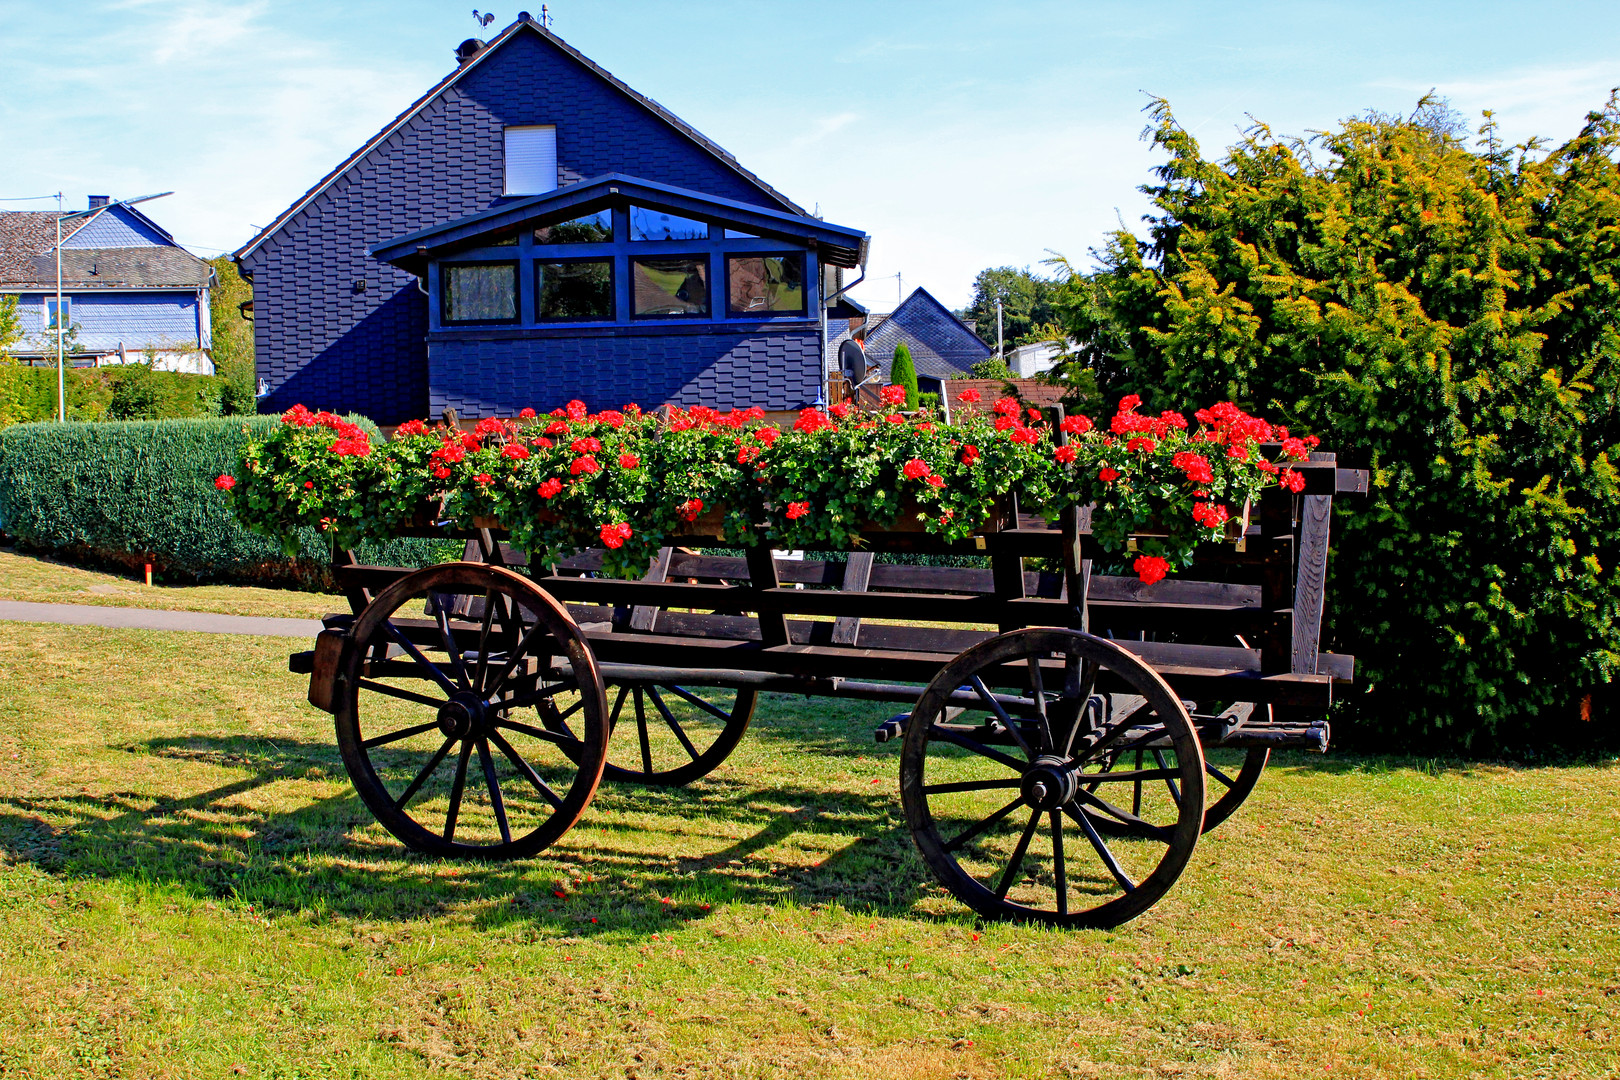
(974, 830)
(1169, 781)
(1136, 796)
(713, 709)
(669, 719)
(526, 770)
(1009, 875)
(483, 641)
(458, 663)
(401, 693)
(971, 785)
(416, 654)
(533, 697)
(1217, 774)
(516, 656)
(563, 738)
(1147, 828)
(1037, 689)
(641, 731)
(494, 785)
(1059, 870)
(1103, 852)
(1001, 714)
(1129, 776)
(396, 736)
(456, 788)
(958, 739)
(421, 778)
(618, 707)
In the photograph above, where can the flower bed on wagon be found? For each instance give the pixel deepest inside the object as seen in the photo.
(626, 481)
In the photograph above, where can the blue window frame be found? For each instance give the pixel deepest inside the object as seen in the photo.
(765, 284)
(573, 290)
(674, 286)
(478, 293)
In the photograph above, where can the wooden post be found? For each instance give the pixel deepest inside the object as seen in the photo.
(762, 576)
(857, 575)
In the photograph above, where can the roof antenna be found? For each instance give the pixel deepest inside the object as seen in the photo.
(545, 18)
(483, 19)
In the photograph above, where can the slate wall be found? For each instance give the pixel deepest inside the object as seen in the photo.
(485, 376)
(323, 342)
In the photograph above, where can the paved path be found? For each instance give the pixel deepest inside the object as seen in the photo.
(197, 622)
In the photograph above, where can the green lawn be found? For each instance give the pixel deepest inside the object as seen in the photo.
(188, 887)
(43, 581)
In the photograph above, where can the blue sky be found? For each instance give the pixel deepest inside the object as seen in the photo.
(959, 135)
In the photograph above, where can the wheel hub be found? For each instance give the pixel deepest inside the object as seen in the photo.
(1050, 782)
(460, 716)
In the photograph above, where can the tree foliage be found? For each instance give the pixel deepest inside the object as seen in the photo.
(232, 337)
(903, 373)
(1447, 315)
(1028, 305)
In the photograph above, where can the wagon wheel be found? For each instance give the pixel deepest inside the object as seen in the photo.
(1225, 790)
(997, 794)
(427, 713)
(667, 735)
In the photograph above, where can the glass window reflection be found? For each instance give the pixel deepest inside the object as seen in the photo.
(676, 286)
(657, 225)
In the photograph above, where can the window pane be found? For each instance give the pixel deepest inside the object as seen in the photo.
(581, 289)
(483, 293)
(765, 283)
(531, 160)
(733, 234)
(657, 225)
(590, 229)
(678, 286)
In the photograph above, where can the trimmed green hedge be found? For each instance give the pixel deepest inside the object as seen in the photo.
(121, 492)
(126, 392)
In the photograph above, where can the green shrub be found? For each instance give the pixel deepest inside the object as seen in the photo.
(903, 373)
(993, 368)
(1450, 318)
(124, 392)
(118, 493)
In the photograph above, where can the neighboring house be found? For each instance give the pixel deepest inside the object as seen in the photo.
(1028, 360)
(532, 230)
(942, 345)
(128, 289)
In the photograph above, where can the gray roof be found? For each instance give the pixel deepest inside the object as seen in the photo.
(25, 234)
(941, 345)
(27, 260)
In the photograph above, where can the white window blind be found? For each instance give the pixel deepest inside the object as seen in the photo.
(531, 160)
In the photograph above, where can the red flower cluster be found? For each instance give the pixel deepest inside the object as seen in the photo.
(1150, 568)
(526, 414)
(747, 454)
(614, 536)
(1107, 474)
(689, 510)
(515, 451)
(1076, 424)
(1196, 466)
(483, 478)
(915, 469)
(1063, 454)
(1226, 423)
(970, 397)
(585, 444)
(557, 427)
(489, 426)
(575, 410)
(411, 427)
(549, 488)
(892, 395)
(797, 510)
(811, 421)
(1293, 481)
(613, 418)
(767, 435)
(585, 465)
(1210, 515)
(628, 461)
(225, 483)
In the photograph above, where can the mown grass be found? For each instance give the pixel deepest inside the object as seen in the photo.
(188, 887)
(43, 581)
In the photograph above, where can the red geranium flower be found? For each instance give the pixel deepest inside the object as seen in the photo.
(556, 427)
(441, 473)
(1293, 481)
(515, 451)
(1107, 474)
(689, 510)
(575, 410)
(1026, 435)
(584, 465)
(613, 418)
(971, 397)
(585, 444)
(628, 461)
(892, 395)
(1150, 568)
(747, 454)
(484, 478)
(796, 510)
(936, 480)
(840, 410)
(1063, 454)
(410, 427)
(915, 469)
(1076, 424)
(1006, 406)
(1129, 402)
(1005, 423)
(614, 536)
(225, 483)
(526, 414)
(549, 488)
(1140, 443)
(970, 454)
(895, 418)
(767, 435)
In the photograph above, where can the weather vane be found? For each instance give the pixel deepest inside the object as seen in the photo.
(483, 19)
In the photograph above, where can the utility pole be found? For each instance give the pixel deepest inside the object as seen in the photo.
(61, 391)
(1000, 354)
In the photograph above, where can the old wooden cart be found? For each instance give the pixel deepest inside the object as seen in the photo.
(1053, 768)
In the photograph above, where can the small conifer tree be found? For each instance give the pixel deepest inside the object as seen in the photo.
(902, 372)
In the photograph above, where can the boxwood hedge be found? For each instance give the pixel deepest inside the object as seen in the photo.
(125, 492)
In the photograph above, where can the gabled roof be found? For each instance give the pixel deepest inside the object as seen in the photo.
(505, 36)
(837, 245)
(939, 342)
(27, 233)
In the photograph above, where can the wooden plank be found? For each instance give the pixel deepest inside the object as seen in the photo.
(645, 616)
(763, 582)
(1311, 585)
(857, 572)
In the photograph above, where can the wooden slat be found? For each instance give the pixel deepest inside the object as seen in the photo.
(1311, 585)
(764, 582)
(645, 616)
(857, 572)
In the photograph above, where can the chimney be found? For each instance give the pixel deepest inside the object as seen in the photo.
(468, 49)
(99, 200)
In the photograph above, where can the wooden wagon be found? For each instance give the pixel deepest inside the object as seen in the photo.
(1055, 720)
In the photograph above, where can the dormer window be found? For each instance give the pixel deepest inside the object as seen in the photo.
(531, 159)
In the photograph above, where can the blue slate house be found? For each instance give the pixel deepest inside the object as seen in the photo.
(128, 288)
(532, 230)
(942, 345)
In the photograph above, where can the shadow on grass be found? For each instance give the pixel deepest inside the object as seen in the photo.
(328, 856)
